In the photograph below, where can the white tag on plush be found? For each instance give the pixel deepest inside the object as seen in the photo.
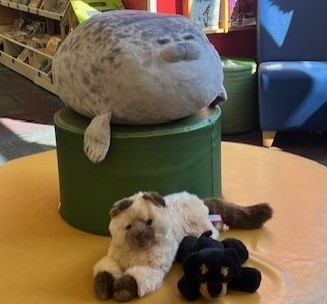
(215, 218)
(218, 222)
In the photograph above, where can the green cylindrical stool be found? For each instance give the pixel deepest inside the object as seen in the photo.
(239, 113)
(167, 158)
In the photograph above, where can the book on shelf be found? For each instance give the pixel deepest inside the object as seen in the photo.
(6, 30)
(45, 66)
(242, 13)
(205, 13)
(19, 36)
(25, 29)
(24, 55)
(52, 45)
(34, 27)
(37, 41)
(19, 23)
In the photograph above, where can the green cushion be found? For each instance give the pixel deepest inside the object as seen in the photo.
(239, 113)
(177, 156)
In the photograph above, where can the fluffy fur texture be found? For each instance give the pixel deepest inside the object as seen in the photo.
(146, 231)
(135, 67)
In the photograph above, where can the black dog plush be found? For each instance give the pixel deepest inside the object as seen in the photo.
(212, 267)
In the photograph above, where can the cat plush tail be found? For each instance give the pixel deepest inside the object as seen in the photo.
(240, 217)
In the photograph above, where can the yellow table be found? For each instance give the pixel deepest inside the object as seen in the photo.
(44, 260)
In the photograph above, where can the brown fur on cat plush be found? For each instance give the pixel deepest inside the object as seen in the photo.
(146, 230)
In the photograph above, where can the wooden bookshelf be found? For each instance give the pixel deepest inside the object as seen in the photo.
(12, 48)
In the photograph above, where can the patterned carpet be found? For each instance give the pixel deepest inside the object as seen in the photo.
(26, 124)
(26, 112)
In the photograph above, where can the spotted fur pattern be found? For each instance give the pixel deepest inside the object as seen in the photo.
(142, 67)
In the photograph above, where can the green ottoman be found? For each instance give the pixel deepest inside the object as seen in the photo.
(240, 112)
(167, 158)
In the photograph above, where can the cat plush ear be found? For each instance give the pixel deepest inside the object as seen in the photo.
(119, 206)
(155, 198)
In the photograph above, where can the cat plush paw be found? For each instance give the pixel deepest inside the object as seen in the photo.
(125, 289)
(103, 285)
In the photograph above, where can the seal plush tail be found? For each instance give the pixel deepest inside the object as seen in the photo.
(236, 216)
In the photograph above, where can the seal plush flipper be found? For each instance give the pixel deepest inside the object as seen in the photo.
(97, 138)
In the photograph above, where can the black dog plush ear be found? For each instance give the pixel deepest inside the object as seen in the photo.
(238, 246)
(233, 263)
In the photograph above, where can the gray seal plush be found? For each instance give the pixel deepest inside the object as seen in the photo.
(135, 67)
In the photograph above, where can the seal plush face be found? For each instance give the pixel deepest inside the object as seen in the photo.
(135, 67)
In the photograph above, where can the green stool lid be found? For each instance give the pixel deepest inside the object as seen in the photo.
(73, 122)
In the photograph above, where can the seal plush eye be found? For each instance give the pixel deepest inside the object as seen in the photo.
(162, 41)
(189, 37)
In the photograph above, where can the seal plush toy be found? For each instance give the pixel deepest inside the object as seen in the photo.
(211, 268)
(135, 67)
(146, 230)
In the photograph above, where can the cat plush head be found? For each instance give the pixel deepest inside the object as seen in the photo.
(139, 221)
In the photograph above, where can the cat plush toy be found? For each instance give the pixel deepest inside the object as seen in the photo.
(146, 230)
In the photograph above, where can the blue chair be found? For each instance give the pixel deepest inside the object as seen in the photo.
(292, 66)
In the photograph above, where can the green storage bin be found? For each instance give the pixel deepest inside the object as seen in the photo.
(167, 158)
(240, 112)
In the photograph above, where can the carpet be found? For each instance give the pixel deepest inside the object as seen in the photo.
(26, 116)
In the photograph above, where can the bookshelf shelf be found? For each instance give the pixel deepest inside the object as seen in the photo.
(40, 52)
(38, 77)
(242, 28)
(213, 30)
(32, 10)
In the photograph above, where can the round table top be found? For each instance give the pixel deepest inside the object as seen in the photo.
(44, 260)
